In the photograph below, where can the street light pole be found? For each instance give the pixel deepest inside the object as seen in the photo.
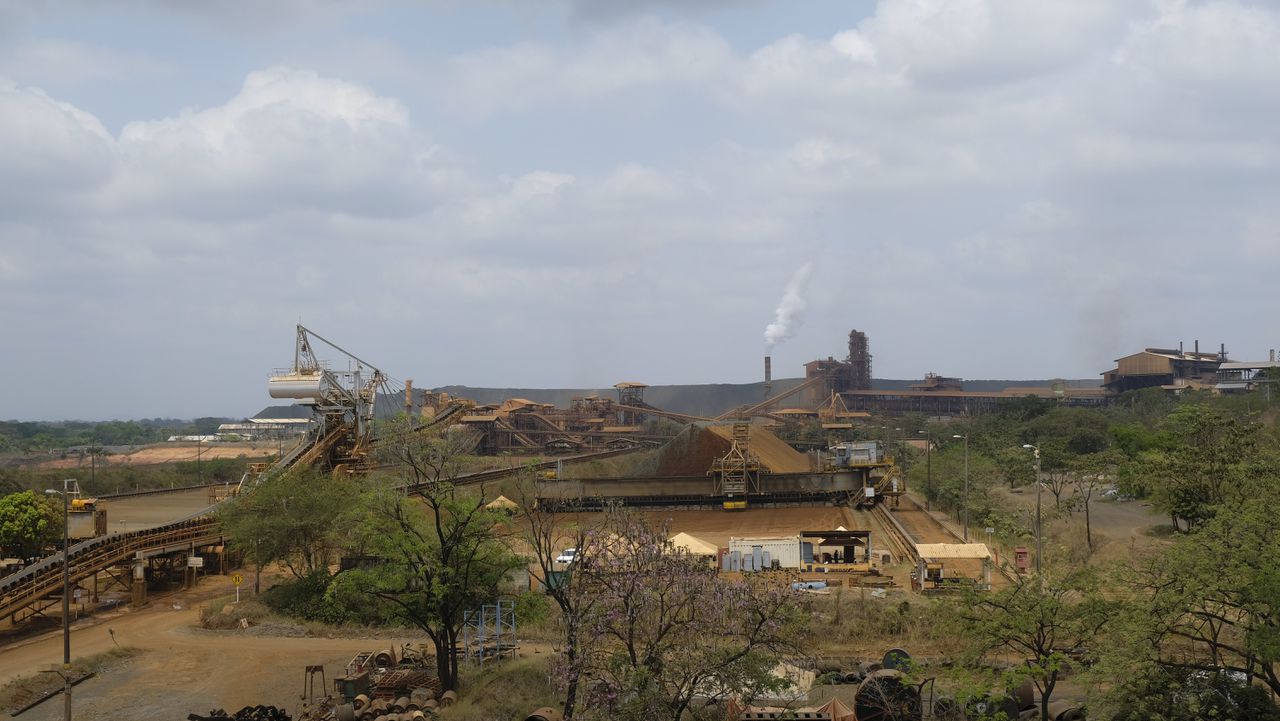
(66, 591)
(1039, 540)
(966, 485)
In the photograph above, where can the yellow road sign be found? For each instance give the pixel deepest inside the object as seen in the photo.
(237, 578)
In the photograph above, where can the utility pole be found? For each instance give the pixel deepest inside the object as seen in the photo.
(65, 671)
(1039, 537)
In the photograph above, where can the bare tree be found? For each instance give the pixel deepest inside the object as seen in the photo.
(665, 628)
(547, 534)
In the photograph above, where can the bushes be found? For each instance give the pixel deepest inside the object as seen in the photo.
(1191, 696)
(304, 599)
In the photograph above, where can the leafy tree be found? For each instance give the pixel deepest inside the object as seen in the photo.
(1088, 475)
(1210, 603)
(440, 555)
(665, 628)
(1212, 454)
(1025, 408)
(947, 488)
(1160, 694)
(293, 519)
(1045, 619)
(1016, 465)
(28, 523)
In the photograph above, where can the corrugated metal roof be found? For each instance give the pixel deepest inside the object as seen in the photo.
(1248, 365)
(953, 550)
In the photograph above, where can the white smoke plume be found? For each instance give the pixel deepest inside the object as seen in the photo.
(790, 312)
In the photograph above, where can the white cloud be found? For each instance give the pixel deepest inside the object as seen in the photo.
(53, 151)
(1044, 167)
(58, 62)
(628, 58)
(287, 138)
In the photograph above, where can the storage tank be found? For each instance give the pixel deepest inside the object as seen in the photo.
(304, 386)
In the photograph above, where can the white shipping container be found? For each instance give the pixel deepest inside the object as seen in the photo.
(783, 549)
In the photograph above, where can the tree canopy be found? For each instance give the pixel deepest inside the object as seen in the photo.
(28, 522)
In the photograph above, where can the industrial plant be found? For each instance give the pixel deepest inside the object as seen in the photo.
(856, 526)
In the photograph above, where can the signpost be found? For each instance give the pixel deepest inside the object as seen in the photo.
(237, 579)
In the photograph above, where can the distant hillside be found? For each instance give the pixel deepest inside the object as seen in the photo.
(714, 399)
(710, 399)
(698, 400)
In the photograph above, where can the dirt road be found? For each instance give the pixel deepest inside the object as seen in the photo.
(174, 453)
(181, 669)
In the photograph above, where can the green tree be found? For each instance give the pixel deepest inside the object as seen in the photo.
(1090, 473)
(1210, 602)
(28, 523)
(441, 553)
(293, 519)
(1211, 455)
(1046, 620)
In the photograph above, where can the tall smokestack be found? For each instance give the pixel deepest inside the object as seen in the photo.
(408, 398)
(1195, 364)
(768, 376)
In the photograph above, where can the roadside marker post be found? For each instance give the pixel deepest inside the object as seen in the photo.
(237, 579)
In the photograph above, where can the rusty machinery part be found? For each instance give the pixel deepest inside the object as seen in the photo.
(1066, 711)
(360, 702)
(344, 712)
(1024, 694)
(385, 658)
(400, 705)
(946, 708)
(886, 695)
(423, 697)
(896, 658)
(248, 713)
(1014, 703)
(448, 698)
(545, 713)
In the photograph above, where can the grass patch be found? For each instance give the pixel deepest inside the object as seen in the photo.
(505, 690)
(25, 689)
(223, 614)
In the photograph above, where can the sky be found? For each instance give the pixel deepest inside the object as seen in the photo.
(572, 193)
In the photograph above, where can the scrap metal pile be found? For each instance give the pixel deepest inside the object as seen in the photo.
(248, 713)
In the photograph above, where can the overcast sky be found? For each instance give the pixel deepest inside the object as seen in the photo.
(486, 193)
